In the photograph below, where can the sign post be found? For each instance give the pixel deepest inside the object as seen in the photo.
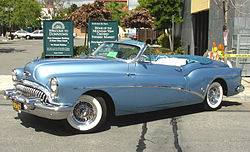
(100, 31)
(58, 38)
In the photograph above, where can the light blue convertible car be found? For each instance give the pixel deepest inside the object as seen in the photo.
(119, 78)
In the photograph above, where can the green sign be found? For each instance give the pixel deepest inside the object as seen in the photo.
(100, 31)
(58, 38)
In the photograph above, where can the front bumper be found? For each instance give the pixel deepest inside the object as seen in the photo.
(34, 106)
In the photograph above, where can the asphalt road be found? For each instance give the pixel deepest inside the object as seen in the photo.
(16, 53)
(185, 129)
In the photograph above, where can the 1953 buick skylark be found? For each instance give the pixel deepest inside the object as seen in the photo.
(119, 78)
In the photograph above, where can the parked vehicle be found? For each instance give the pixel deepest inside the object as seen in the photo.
(10, 35)
(37, 34)
(119, 78)
(132, 33)
(20, 34)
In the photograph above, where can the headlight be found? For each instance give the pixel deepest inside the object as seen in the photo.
(54, 87)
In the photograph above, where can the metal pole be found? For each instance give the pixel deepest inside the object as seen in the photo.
(2, 27)
(173, 33)
(9, 21)
(225, 11)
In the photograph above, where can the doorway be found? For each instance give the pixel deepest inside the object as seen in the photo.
(200, 21)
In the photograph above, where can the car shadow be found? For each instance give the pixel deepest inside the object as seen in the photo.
(230, 103)
(61, 127)
(10, 50)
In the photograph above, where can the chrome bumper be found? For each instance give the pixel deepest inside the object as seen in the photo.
(240, 88)
(34, 106)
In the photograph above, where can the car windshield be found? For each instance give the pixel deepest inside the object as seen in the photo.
(117, 50)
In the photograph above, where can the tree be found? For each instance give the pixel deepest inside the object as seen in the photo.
(63, 13)
(95, 11)
(118, 10)
(59, 4)
(162, 11)
(3, 14)
(86, 12)
(138, 18)
(26, 13)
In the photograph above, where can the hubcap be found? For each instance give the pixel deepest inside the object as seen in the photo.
(84, 112)
(214, 95)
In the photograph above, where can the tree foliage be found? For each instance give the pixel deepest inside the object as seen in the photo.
(162, 11)
(138, 18)
(118, 10)
(25, 12)
(86, 12)
(63, 13)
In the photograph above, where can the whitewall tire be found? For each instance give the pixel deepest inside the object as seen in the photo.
(214, 96)
(88, 114)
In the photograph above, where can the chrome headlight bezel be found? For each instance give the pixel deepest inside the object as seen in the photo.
(54, 87)
(14, 75)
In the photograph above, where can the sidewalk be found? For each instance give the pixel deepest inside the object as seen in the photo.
(3, 39)
(6, 82)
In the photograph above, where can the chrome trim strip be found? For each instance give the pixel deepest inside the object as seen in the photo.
(163, 87)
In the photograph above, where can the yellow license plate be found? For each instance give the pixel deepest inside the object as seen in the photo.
(16, 106)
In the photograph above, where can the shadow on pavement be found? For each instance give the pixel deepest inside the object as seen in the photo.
(230, 103)
(6, 42)
(10, 50)
(61, 127)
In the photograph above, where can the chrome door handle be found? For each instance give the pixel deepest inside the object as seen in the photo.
(130, 74)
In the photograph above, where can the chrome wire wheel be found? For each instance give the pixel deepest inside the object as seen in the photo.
(214, 96)
(88, 113)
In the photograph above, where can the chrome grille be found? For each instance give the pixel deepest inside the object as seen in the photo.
(32, 92)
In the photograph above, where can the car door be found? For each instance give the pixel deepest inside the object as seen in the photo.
(159, 85)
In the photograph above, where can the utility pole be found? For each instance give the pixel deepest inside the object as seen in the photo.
(225, 29)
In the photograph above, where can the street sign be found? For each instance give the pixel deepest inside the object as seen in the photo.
(58, 38)
(101, 31)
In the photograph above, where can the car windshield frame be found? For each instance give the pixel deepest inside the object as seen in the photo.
(105, 51)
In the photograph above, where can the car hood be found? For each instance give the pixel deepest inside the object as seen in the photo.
(43, 70)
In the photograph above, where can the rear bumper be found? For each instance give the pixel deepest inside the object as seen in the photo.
(34, 106)
(240, 88)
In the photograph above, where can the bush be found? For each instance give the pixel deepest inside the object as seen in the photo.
(179, 50)
(163, 41)
(78, 50)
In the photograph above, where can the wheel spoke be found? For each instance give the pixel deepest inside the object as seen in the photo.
(84, 112)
